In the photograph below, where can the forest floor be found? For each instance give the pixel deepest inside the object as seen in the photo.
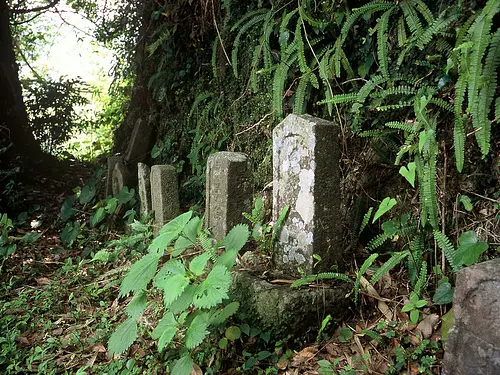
(59, 304)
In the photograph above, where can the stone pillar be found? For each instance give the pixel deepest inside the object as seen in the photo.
(228, 191)
(121, 177)
(112, 160)
(144, 185)
(306, 175)
(164, 195)
(473, 343)
(139, 142)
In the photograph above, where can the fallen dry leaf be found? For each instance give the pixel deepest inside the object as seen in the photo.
(196, 370)
(426, 326)
(42, 281)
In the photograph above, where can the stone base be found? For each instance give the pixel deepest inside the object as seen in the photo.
(286, 311)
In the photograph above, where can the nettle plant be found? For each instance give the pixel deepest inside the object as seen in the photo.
(194, 282)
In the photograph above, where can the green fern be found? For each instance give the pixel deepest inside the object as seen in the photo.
(392, 262)
(404, 126)
(402, 38)
(321, 276)
(301, 92)
(382, 43)
(366, 219)
(422, 279)
(378, 241)
(447, 248)
(366, 264)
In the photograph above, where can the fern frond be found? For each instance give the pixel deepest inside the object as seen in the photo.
(402, 38)
(366, 264)
(447, 248)
(247, 16)
(214, 56)
(458, 124)
(311, 21)
(412, 19)
(382, 37)
(422, 279)
(404, 126)
(346, 64)
(321, 276)
(487, 93)
(436, 27)
(392, 107)
(340, 99)
(444, 47)
(300, 94)
(283, 28)
(198, 100)
(279, 79)
(366, 219)
(375, 133)
(237, 40)
(314, 80)
(424, 11)
(442, 104)
(464, 29)
(392, 262)
(430, 199)
(415, 259)
(300, 48)
(207, 244)
(396, 90)
(373, 335)
(378, 241)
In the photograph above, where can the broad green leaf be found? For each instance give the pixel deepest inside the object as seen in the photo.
(197, 331)
(424, 136)
(172, 286)
(345, 334)
(177, 225)
(140, 274)
(263, 355)
(87, 194)
(172, 267)
(165, 330)
(185, 300)
(30, 238)
(221, 316)
(467, 203)
(98, 216)
(125, 195)
(6, 251)
(198, 264)
(414, 315)
(237, 237)
(101, 256)
(228, 259)
(161, 242)
(245, 328)
(385, 206)
(67, 209)
(136, 307)
(447, 321)
(123, 337)
(156, 151)
(469, 249)
(444, 294)
(223, 343)
(233, 333)
(111, 205)
(181, 244)
(408, 173)
(214, 288)
(183, 366)
(190, 230)
(70, 233)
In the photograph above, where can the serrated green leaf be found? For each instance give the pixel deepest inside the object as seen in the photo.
(165, 330)
(140, 274)
(185, 300)
(136, 307)
(172, 267)
(161, 242)
(198, 264)
(183, 366)
(177, 225)
(197, 331)
(190, 230)
(385, 206)
(123, 337)
(444, 294)
(221, 316)
(172, 286)
(213, 289)
(237, 237)
(469, 249)
(408, 173)
(181, 244)
(228, 259)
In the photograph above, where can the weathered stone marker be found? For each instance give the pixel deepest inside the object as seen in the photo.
(164, 195)
(139, 142)
(112, 160)
(121, 177)
(144, 185)
(228, 191)
(473, 344)
(306, 175)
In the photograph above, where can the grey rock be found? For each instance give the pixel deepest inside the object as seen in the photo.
(164, 195)
(228, 191)
(121, 177)
(144, 187)
(306, 175)
(112, 160)
(473, 344)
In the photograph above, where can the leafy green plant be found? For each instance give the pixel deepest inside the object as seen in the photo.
(413, 307)
(7, 245)
(194, 288)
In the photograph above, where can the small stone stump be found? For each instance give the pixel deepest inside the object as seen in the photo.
(139, 142)
(121, 177)
(144, 187)
(112, 160)
(473, 344)
(228, 191)
(164, 195)
(306, 175)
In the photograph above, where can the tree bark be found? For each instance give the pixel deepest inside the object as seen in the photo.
(13, 117)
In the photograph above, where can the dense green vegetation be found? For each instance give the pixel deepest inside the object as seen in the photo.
(413, 86)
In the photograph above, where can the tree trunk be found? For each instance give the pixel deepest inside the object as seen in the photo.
(13, 117)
